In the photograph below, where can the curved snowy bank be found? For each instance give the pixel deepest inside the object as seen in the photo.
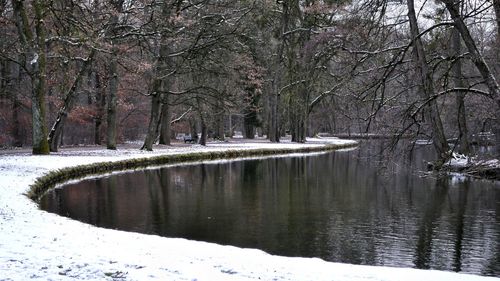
(38, 245)
(53, 178)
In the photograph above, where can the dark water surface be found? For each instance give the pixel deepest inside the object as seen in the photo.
(338, 206)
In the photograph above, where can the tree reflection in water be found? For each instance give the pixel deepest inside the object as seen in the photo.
(335, 206)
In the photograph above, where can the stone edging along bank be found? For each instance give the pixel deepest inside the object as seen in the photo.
(53, 178)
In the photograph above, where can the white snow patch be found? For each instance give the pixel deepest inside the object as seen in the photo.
(34, 60)
(35, 244)
(458, 160)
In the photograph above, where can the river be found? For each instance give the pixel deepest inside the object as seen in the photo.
(347, 206)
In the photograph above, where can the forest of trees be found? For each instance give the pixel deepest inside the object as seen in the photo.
(108, 71)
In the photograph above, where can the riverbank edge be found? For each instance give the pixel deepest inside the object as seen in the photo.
(48, 181)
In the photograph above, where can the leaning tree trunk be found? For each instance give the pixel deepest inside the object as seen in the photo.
(425, 77)
(478, 60)
(69, 100)
(460, 96)
(458, 81)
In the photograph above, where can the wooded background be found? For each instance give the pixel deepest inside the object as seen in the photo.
(108, 71)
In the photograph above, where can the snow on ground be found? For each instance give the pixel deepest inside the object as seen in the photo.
(459, 162)
(38, 245)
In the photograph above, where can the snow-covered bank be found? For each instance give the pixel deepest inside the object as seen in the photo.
(39, 245)
(471, 166)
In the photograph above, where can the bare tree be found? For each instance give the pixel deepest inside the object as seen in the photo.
(159, 78)
(69, 100)
(117, 7)
(478, 60)
(496, 6)
(33, 43)
(165, 120)
(427, 85)
(458, 81)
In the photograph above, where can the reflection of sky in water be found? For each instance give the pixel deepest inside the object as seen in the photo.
(338, 206)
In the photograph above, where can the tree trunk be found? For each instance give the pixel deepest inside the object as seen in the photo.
(458, 81)
(112, 101)
(230, 125)
(37, 70)
(38, 67)
(219, 113)
(97, 131)
(478, 60)
(192, 128)
(219, 123)
(274, 99)
(220, 126)
(16, 128)
(154, 117)
(69, 99)
(332, 121)
(14, 87)
(166, 116)
(158, 82)
(101, 104)
(298, 113)
(298, 119)
(156, 97)
(274, 135)
(304, 115)
(203, 137)
(34, 45)
(427, 88)
(4, 77)
(496, 5)
(61, 137)
(168, 84)
(249, 130)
